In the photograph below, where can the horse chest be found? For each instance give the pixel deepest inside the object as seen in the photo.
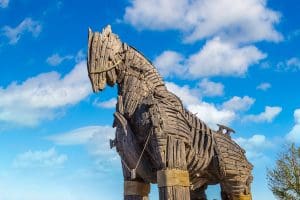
(141, 122)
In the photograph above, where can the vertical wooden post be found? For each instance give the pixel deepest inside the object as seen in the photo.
(135, 190)
(134, 197)
(175, 159)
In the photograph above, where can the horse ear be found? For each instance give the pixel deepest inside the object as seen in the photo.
(90, 36)
(107, 30)
(90, 31)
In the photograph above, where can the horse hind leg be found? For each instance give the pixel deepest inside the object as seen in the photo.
(199, 193)
(234, 189)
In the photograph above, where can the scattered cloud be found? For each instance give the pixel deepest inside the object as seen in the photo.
(210, 88)
(32, 159)
(265, 65)
(264, 86)
(111, 103)
(293, 63)
(56, 59)
(208, 112)
(254, 146)
(228, 59)
(243, 21)
(96, 140)
(238, 104)
(80, 56)
(294, 134)
(43, 96)
(228, 34)
(27, 25)
(80, 136)
(4, 3)
(293, 34)
(185, 93)
(267, 116)
(170, 63)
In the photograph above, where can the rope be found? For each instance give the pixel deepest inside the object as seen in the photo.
(105, 70)
(132, 171)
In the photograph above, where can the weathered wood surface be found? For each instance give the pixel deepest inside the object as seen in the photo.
(130, 151)
(179, 140)
(132, 197)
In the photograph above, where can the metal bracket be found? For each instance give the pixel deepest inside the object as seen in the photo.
(133, 174)
(112, 143)
(227, 129)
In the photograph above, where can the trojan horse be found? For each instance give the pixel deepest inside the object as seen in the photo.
(158, 140)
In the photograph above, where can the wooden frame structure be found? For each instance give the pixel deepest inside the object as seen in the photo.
(158, 140)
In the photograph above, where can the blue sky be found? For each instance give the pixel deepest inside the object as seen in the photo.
(235, 62)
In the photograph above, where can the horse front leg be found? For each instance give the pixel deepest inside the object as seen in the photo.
(173, 179)
(134, 189)
(169, 148)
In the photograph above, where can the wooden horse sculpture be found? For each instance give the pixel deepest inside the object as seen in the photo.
(158, 140)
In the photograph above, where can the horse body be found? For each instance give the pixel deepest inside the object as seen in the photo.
(166, 136)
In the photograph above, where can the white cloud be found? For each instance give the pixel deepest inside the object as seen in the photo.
(56, 59)
(254, 146)
(4, 3)
(207, 112)
(293, 63)
(41, 97)
(239, 20)
(96, 140)
(253, 142)
(99, 144)
(32, 159)
(297, 116)
(210, 114)
(216, 58)
(238, 103)
(210, 88)
(185, 93)
(80, 56)
(27, 25)
(294, 134)
(82, 135)
(219, 58)
(263, 86)
(111, 103)
(267, 116)
(227, 51)
(170, 63)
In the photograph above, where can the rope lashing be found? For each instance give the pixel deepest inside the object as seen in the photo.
(105, 70)
(173, 177)
(133, 171)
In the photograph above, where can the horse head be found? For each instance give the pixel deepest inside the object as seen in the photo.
(104, 55)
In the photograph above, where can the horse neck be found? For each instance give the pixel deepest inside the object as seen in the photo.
(137, 69)
(139, 80)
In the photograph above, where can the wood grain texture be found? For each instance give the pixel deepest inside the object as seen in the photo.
(179, 140)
